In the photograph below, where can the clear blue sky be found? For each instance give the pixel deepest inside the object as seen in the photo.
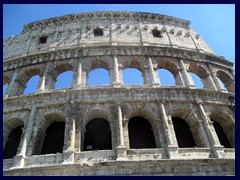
(215, 23)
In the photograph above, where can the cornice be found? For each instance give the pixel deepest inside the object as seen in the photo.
(78, 52)
(128, 95)
(107, 15)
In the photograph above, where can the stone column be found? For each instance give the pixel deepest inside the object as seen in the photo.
(84, 77)
(42, 81)
(187, 79)
(211, 82)
(171, 147)
(154, 83)
(69, 141)
(10, 88)
(19, 159)
(121, 148)
(165, 123)
(116, 82)
(77, 78)
(212, 136)
(215, 79)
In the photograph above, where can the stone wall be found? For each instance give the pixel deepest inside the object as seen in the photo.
(72, 46)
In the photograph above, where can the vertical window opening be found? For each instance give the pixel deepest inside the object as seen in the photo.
(140, 133)
(12, 144)
(183, 133)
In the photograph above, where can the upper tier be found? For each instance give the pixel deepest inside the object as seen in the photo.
(104, 28)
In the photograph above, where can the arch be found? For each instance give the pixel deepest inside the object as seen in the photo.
(52, 78)
(197, 80)
(98, 76)
(147, 114)
(183, 134)
(224, 127)
(12, 143)
(132, 76)
(54, 139)
(140, 133)
(227, 80)
(173, 69)
(12, 133)
(133, 73)
(96, 64)
(64, 80)
(168, 78)
(192, 121)
(21, 82)
(31, 85)
(202, 73)
(6, 80)
(97, 113)
(97, 135)
(44, 125)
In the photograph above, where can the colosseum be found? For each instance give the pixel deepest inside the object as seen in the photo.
(118, 129)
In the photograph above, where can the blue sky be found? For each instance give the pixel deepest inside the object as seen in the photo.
(215, 23)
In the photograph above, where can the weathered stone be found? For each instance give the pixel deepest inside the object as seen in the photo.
(52, 46)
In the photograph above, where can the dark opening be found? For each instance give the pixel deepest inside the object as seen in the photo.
(98, 32)
(12, 144)
(140, 133)
(157, 33)
(43, 39)
(54, 138)
(97, 135)
(183, 133)
(221, 135)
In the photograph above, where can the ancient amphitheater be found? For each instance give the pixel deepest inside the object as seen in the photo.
(120, 129)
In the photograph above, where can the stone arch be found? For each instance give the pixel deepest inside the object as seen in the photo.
(192, 121)
(99, 65)
(171, 67)
(135, 64)
(152, 120)
(201, 72)
(47, 120)
(23, 78)
(97, 113)
(227, 124)
(8, 127)
(227, 80)
(6, 80)
(52, 77)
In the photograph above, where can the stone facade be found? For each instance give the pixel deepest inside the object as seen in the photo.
(115, 41)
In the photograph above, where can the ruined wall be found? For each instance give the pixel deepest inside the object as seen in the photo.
(115, 41)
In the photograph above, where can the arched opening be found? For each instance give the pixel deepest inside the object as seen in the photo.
(12, 143)
(54, 138)
(140, 133)
(132, 76)
(227, 80)
(98, 76)
(32, 84)
(224, 127)
(221, 135)
(6, 81)
(222, 85)
(97, 135)
(64, 80)
(197, 80)
(166, 77)
(5, 88)
(26, 82)
(183, 133)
